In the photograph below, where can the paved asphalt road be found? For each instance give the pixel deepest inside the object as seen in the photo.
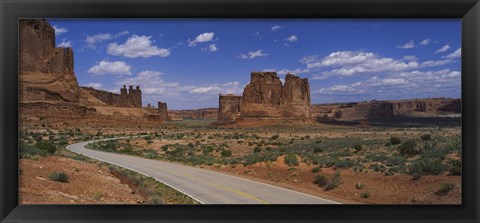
(207, 187)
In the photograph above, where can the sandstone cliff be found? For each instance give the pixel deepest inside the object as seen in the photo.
(265, 98)
(46, 72)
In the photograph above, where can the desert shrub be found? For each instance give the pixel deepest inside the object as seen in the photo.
(149, 142)
(345, 163)
(335, 182)
(317, 150)
(291, 160)
(408, 148)
(326, 161)
(359, 185)
(365, 194)
(226, 153)
(59, 176)
(358, 147)
(432, 152)
(147, 138)
(257, 149)
(274, 137)
(46, 146)
(27, 151)
(426, 137)
(444, 189)
(316, 169)
(395, 140)
(416, 176)
(321, 180)
(427, 167)
(455, 168)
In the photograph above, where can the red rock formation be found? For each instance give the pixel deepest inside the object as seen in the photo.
(46, 73)
(265, 98)
(130, 99)
(162, 110)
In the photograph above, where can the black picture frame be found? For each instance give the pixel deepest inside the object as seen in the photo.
(467, 10)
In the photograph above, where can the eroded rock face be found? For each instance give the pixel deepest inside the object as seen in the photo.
(46, 73)
(162, 110)
(265, 98)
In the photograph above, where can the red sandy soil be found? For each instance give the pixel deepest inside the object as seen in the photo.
(89, 183)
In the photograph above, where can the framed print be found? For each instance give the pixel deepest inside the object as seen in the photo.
(240, 111)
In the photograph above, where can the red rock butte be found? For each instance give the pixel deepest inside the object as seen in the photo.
(266, 98)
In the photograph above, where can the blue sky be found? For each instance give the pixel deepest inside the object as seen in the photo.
(188, 62)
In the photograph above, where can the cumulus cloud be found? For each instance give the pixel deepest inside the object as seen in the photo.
(443, 49)
(410, 84)
(202, 38)
(121, 34)
(93, 40)
(294, 71)
(425, 42)
(456, 54)
(60, 30)
(348, 63)
(137, 46)
(408, 45)
(111, 68)
(211, 48)
(252, 55)
(292, 38)
(275, 28)
(65, 43)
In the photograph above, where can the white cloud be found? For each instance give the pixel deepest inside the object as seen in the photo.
(252, 55)
(211, 48)
(276, 27)
(410, 58)
(112, 68)
(65, 43)
(443, 49)
(137, 46)
(121, 34)
(98, 38)
(95, 85)
(292, 38)
(456, 54)
(347, 63)
(408, 45)
(425, 42)
(59, 30)
(202, 38)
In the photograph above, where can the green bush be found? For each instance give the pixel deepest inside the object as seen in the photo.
(316, 169)
(291, 160)
(321, 180)
(408, 148)
(335, 182)
(395, 140)
(59, 176)
(345, 163)
(359, 185)
(455, 168)
(426, 137)
(226, 153)
(46, 146)
(365, 194)
(444, 189)
(257, 149)
(274, 137)
(427, 167)
(358, 147)
(317, 150)
(27, 151)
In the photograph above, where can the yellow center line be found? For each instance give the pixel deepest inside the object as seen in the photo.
(229, 189)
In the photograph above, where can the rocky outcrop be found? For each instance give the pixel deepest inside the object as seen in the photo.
(380, 109)
(127, 99)
(162, 111)
(265, 98)
(46, 72)
(202, 113)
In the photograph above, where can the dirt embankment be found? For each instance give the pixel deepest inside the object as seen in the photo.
(88, 183)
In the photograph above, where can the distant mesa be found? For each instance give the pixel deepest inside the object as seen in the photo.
(265, 98)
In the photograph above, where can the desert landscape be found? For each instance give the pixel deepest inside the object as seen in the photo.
(366, 152)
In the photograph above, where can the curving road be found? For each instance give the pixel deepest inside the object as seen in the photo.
(207, 187)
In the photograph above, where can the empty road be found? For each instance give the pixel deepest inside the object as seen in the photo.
(207, 187)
